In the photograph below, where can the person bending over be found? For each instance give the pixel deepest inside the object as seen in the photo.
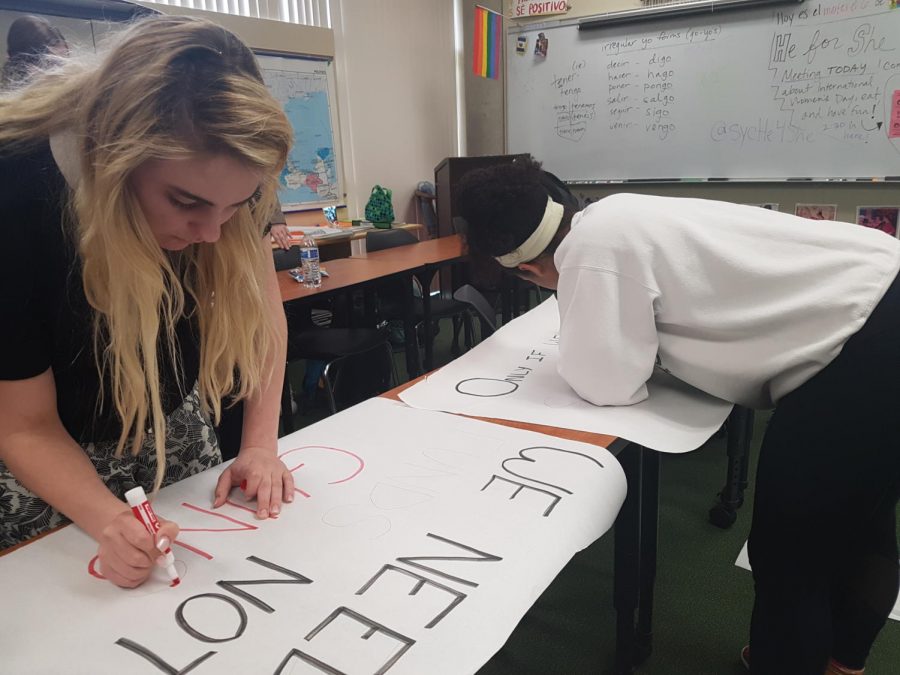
(763, 309)
(137, 284)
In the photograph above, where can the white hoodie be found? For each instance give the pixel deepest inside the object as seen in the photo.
(741, 302)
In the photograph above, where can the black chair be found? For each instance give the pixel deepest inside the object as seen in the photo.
(358, 365)
(355, 367)
(391, 294)
(486, 312)
(378, 240)
(286, 259)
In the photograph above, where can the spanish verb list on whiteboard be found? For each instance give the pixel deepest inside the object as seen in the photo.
(681, 116)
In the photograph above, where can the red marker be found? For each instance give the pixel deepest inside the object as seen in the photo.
(140, 507)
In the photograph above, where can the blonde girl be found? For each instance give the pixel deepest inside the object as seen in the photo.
(137, 287)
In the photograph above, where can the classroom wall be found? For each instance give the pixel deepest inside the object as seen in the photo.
(397, 95)
(787, 195)
(396, 86)
(394, 66)
(485, 110)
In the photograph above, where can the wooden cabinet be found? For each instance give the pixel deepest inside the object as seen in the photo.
(447, 175)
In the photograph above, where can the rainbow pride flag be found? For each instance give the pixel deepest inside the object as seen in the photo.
(488, 40)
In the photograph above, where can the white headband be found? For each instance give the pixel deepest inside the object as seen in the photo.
(532, 247)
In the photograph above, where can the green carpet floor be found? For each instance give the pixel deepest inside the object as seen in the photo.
(702, 602)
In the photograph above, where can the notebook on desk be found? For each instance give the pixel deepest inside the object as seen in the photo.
(317, 232)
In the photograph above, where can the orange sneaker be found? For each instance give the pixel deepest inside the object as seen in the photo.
(745, 656)
(835, 668)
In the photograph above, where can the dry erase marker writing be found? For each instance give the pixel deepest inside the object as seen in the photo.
(142, 510)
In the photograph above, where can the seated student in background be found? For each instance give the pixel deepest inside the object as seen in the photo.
(278, 229)
(758, 308)
(28, 43)
(136, 281)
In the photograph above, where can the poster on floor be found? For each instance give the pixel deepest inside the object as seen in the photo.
(512, 375)
(415, 544)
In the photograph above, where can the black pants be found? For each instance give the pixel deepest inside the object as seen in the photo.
(823, 544)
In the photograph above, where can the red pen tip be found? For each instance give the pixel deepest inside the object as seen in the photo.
(174, 583)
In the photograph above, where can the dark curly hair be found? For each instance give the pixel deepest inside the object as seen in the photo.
(502, 205)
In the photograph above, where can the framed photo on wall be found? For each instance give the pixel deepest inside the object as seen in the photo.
(816, 211)
(882, 218)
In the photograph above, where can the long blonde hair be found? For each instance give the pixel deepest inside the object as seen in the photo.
(166, 88)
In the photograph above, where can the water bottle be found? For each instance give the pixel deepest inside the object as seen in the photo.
(309, 263)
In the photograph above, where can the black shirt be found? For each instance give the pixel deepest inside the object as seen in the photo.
(45, 319)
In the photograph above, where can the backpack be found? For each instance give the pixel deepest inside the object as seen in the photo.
(379, 208)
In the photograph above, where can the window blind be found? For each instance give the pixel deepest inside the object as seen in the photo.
(306, 12)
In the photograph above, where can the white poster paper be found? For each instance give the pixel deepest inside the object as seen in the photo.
(416, 542)
(743, 560)
(512, 375)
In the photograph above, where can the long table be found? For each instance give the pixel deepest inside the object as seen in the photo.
(636, 531)
(420, 260)
(380, 502)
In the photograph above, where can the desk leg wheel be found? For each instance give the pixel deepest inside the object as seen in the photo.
(722, 517)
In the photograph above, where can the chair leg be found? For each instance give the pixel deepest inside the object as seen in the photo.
(469, 325)
(287, 412)
(395, 371)
(392, 373)
(329, 386)
(457, 325)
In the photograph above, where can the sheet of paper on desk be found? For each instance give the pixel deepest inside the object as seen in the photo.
(743, 560)
(317, 232)
(512, 375)
(417, 543)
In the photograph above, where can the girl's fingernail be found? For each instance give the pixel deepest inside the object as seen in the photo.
(163, 544)
(275, 510)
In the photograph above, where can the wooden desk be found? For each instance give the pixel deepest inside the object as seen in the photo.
(336, 246)
(348, 272)
(603, 440)
(420, 260)
(635, 535)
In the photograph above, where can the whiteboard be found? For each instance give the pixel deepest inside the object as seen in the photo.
(794, 91)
